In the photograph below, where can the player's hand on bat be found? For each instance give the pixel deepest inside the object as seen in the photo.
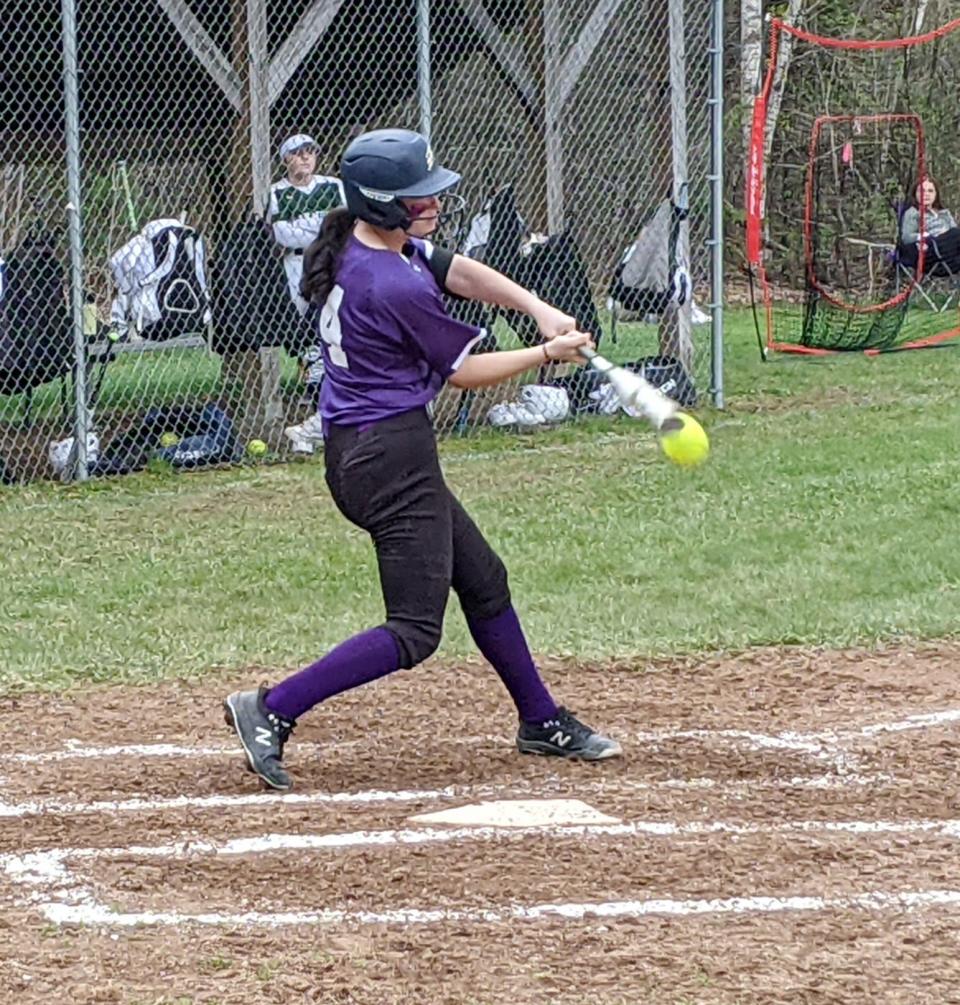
(553, 322)
(566, 348)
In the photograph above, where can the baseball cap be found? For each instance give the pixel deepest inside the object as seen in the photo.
(293, 143)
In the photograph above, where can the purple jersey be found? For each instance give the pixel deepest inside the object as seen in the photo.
(388, 342)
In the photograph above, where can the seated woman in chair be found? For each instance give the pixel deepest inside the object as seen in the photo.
(941, 234)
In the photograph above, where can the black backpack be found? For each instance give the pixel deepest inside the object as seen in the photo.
(251, 301)
(553, 269)
(36, 339)
(160, 278)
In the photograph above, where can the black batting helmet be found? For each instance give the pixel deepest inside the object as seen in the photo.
(380, 168)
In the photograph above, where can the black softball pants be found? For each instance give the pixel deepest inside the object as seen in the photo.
(386, 479)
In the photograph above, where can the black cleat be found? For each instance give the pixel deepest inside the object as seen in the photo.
(262, 735)
(565, 736)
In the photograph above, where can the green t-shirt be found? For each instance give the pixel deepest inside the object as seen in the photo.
(297, 212)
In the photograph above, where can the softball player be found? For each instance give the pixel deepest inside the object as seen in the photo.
(388, 347)
(298, 204)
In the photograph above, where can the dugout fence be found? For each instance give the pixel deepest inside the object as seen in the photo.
(118, 117)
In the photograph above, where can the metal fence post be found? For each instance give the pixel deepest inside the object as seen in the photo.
(716, 205)
(424, 96)
(72, 123)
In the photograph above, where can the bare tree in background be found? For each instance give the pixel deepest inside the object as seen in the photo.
(793, 15)
(751, 56)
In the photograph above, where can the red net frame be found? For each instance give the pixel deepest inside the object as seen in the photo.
(754, 200)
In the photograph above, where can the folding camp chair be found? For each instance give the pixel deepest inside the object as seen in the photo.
(937, 271)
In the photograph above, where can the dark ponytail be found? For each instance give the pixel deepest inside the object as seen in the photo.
(322, 257)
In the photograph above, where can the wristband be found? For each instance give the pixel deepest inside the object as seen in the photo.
(546, 355)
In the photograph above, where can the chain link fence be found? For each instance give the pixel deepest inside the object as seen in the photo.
(152, 234)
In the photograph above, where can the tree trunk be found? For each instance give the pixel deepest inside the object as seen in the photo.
(240, 166)
(751, 55)
(780, 76)
(921, 14)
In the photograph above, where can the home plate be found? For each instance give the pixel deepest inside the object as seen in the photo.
(518, 813)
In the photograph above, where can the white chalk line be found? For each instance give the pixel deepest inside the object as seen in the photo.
(142, 805)
(817, 745)
(436, 835)
(76, 903)
(921, 721)
(811, 743)
(874, 900)
(47, 869)
(145, 805)
(76, 750)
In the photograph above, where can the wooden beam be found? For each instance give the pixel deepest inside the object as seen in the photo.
(204, 49)
(297, 45)
(578, 55)
(259, 102)
(508, 54)
(553, 63)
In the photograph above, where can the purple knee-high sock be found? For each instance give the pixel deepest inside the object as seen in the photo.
(502, 642)
(360, 659)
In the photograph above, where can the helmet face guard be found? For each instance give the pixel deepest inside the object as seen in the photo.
(448, 219)
(450, 222)
(381, 168)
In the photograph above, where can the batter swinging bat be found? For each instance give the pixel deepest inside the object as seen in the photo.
(681, 437)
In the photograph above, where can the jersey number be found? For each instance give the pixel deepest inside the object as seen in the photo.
(330, 327)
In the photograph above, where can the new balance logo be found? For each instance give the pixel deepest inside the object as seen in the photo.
(560, 738)
(264, 736)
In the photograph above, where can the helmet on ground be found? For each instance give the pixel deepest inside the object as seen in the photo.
(380, 168)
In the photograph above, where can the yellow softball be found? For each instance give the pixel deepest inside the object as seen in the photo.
(684, 441)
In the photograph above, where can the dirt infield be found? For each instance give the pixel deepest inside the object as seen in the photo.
(785, 830)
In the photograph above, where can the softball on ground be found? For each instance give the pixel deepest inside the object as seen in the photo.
(256, 448)
(683, 440)
(169, 439)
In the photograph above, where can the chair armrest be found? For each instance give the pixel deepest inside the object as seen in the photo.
(878, 245)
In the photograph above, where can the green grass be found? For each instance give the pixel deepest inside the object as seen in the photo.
(827, 515)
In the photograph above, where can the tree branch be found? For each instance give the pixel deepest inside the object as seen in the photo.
(204, 48)
(578, 55)
(297, 45)
(508, 54)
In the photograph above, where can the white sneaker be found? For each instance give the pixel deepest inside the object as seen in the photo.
(515, 413)
(306, 436)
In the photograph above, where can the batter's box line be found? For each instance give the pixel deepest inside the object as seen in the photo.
(831, 747)
(73, 902)
(826, 744)
(552, 786)
(874, 900)
(813, 743)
